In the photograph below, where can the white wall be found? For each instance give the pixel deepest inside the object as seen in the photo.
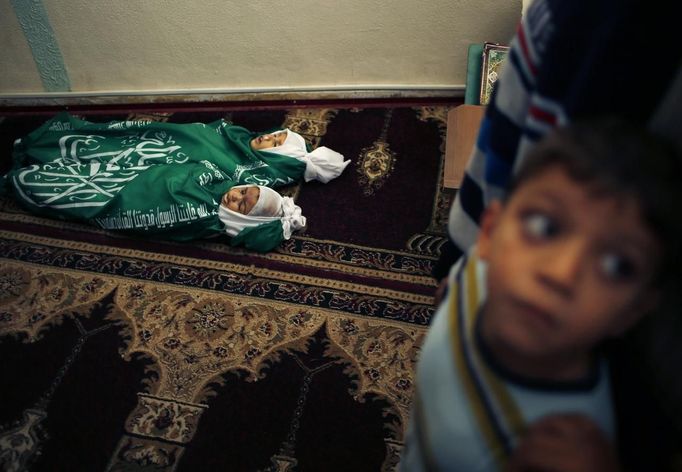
(219, 45)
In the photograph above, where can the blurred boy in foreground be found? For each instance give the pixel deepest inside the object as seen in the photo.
(579, 251)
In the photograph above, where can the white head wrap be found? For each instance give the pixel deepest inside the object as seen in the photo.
(321, 164)
(269, 202)
(293, 146)
(288, 213)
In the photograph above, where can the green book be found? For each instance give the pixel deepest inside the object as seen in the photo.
(472, 92)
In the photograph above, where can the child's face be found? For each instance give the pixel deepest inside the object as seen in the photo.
(566, 268)
(241, 199)
(267, 141)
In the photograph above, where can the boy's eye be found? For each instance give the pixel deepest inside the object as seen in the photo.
(539, 226)
(617, 267)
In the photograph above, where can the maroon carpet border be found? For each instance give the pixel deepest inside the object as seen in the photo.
(245, 259)
(240, 105)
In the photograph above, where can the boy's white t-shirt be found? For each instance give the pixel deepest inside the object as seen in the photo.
(444, 431)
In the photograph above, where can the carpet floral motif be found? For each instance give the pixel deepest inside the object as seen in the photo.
(31, 299)
(376, 162)
(311, 123)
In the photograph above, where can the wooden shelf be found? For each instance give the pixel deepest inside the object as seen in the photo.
(462, 130)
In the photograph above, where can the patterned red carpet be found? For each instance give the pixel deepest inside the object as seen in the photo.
(133, 354)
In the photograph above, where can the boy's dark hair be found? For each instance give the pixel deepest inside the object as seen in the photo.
(623, 160)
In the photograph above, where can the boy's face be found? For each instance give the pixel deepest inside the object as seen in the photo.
(267, 141)
(241, 199)
(566, 268)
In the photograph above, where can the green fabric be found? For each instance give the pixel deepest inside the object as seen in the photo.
(472, 91)
(141, 176)
(262, 238)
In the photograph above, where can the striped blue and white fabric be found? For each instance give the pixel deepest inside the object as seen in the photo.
(568, 60)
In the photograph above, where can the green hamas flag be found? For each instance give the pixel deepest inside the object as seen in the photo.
(141, 176)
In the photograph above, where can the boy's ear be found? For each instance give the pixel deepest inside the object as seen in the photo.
(647, 302)
(489, 221)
